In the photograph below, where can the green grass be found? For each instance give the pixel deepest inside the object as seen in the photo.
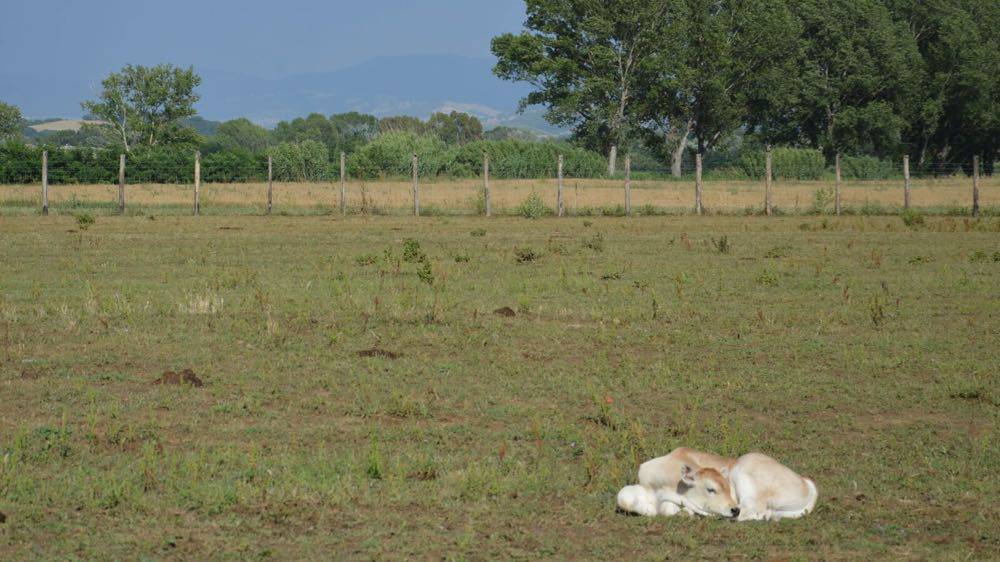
(857, 350)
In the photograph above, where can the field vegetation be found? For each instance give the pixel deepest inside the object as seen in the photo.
(456, 388)
(951, 196)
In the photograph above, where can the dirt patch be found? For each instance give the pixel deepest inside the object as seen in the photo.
(506, 312)
(30, 375)
(230, 228)
(186, 376)
(3, 518)
(376, 352)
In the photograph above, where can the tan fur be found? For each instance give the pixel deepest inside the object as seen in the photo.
(687, 481)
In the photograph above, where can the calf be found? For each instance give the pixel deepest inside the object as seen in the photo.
(685, 481)
(753, 487)
(770, 490)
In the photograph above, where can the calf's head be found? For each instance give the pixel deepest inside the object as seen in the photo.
(707, 492)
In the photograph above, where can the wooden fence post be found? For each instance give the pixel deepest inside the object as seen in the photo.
(697, 183)
(628, 185)
(45, 182)
(560, 206)
(612, 158)
(343, 183)
(767, 182)
(121, 184)
(416, 187)
(270, 184)
(486, 185)
(836, 187)
(975, 186)
(197, 182)
(906, 182)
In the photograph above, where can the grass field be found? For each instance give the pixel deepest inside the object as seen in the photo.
(362, 399)
(952, 195)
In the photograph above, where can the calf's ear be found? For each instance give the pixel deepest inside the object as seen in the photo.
(687, 475)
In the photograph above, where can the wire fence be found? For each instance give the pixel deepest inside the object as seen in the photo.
(954, 189)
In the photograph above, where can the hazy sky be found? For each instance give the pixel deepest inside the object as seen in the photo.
(269, 39)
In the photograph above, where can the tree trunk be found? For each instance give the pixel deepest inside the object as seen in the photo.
(677, 159)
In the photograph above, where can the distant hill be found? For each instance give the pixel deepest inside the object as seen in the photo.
(63, 125)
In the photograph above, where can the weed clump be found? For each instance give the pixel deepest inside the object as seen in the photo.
(722, 245)
(365, 260)
(412, 252)
(822, 199)
(84, 220)
(777, 252)
(595, 242)
(912, 218)
(526, 255)
(533, 207)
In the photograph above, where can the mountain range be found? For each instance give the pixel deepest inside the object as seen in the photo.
(416, 85)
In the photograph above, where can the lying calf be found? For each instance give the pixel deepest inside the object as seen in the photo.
(752, 487)
(770, 490)
(687, 481)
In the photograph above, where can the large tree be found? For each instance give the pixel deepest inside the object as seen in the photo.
(401, 124)
(355, 129)
(586, 60)
(955, 110)
(144, 105)
(342, 132)
(856, 73)
(456, 128)
(722, 64)
(10, 121)
(242, 134)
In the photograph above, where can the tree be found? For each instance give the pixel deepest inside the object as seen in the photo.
(586, 60)
(401, 124)
(144, 105)
(954, 112)
(456, 128)
(857, 72)
(720, 65)
(502, 133)
(342, 132)
(242, 134)
(10, 121)
(355, 129)
(300, 161)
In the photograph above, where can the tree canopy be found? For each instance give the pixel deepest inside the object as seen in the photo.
(10, 121)
(866, 77)
(455, 128)
(144, 105)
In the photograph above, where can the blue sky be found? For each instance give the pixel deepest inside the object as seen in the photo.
(87, 39)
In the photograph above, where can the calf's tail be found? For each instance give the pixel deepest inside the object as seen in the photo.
(813, 495)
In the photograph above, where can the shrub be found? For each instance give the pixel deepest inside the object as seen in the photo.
(391, 155)
(787, 164)
(411, 251)
(912, 218)
(822, 199)
(525, 255)
(512, 159)
(533, 207)
(866, 168)
(301, 161)
(234, 165)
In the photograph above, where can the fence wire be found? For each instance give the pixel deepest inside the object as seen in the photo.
(163, 186)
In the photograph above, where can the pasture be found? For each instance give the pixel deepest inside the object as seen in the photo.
(463, 388)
